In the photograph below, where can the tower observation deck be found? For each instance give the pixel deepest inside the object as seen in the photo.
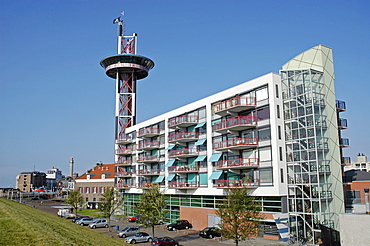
(126, 68)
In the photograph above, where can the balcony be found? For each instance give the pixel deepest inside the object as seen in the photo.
(123, 174)
(346, 160)
(124, 151)
(236, 144)
(149, 171)
(183, 169)
(341, 105)
(183, 184)
(320, 168)
(148, 158)
(149, 132)
(148, 145)
(183, 121)
(184, 153)
(234, 105)
(145, 185)
(124, 140)
(342, 123)
(322, 194)
(236, 183)
(241, 163)
(238, 123)
(183, 136)
(344, 142)
(123, 163)
(124, 185)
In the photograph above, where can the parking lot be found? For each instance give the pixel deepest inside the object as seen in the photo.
(185, 237)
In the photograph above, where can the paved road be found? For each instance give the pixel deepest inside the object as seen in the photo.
(185, 237)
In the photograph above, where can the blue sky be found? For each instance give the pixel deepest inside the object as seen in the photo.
(56, 101)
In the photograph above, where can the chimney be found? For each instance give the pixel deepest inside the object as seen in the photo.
(367, 200)
(71, 163)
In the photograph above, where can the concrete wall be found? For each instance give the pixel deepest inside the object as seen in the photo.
(354, 229)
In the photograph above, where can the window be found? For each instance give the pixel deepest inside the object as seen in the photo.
(278, 111)
(266, 175)
(277, 91)
(263, 113)
(264, 134)
(281, 175)
(281, 153)
(262, 93)
(279, 132)
(265, 154)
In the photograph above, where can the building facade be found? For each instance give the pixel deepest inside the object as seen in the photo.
(95, 182)
(277, 135)
(362, 164)
(28, 181)
(52, 177)
(355, 183)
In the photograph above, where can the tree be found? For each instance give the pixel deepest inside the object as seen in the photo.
(74, 199)
(151, 207)
(110, 202)
(240, 214)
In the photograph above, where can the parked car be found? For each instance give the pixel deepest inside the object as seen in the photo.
(139, 237)
(84, 221)
(99, 223)
(79, 217)
(128, 231)
(210, 232)
(164, 241)
(178, 225)
(136, 218)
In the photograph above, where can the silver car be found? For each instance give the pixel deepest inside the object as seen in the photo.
(84, 221)
(139, 238)
(128, 231)
(99, 223)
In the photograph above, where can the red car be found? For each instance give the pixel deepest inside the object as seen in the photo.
(165, 241)
(136, 218)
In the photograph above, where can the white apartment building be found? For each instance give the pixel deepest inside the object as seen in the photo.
(362, 164)
(276, 134)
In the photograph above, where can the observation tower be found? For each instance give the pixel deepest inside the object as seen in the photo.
(126, 68)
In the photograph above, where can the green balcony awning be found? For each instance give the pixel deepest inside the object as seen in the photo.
(170, 163)
(159, 179)
(216, 175)
(200, 125)
(215, 157)
(201, 158)
(200, 142)
(170, 177)
(171, 147)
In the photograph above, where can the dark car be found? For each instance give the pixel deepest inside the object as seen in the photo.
(164, 241)
(136, 218)
(210, 232)
(178, 225)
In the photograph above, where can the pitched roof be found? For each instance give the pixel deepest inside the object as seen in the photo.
(356, 175)
(97, 172)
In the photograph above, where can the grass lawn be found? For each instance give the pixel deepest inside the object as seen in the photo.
(21, 224)
(90, 212)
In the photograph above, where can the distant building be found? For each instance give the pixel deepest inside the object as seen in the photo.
(95, 182)
(355, 182)
(28, 181)
(52, 176)
(361, 164)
